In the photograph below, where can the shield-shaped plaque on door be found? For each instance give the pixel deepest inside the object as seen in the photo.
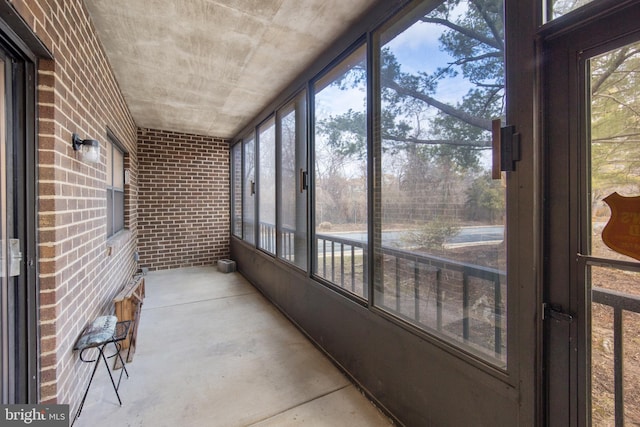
(622, 232)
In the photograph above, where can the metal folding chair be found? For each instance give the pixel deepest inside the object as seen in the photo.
(103, 331)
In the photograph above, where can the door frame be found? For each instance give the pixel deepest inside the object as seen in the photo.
(22, 360)
(566, 342)
(20, 43)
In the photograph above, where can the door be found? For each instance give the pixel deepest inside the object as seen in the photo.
(18, 366)
(7, 295)
(592, 222)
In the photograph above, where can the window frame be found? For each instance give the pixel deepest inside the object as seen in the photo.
(236, 183)
(112, 145)
(268, 245)
(470, 355)
(299, 106)
(249, 232)
(333, 69)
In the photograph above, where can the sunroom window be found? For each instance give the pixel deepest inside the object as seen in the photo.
(340, 175)
(440, 217)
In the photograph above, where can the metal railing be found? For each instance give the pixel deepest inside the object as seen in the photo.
(620, 302)
(267, 237)
(460, 275)
(338, 263)
(344, 263)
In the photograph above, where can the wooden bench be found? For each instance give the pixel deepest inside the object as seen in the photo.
(128, 304)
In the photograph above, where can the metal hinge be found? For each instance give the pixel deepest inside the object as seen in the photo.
(510, 148)
(555, 312)
(506, 148)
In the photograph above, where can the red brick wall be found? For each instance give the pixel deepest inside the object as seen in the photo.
(183, 204)
(80, 270)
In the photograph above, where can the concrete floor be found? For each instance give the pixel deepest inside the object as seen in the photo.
(212, 351)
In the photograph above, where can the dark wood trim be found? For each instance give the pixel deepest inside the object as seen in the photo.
(20, 34)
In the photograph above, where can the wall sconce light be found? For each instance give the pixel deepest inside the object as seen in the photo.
(90, 148)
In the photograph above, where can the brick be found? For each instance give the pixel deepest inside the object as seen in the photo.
(185, 197)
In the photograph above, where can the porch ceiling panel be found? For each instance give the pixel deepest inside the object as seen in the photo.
(210, 66)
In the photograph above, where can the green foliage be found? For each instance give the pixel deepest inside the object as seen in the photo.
(485, 199)
(615, 122)
(432, 234)
(346, 133)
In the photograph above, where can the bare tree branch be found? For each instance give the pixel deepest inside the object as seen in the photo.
(494, 54)
(480, 145)
(497, 87)
(445, 108)
(621, 56)
(614, 138)
(624, 104)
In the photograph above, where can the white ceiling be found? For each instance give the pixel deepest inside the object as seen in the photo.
(210, 66)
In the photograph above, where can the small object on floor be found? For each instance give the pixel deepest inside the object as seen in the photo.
(226, 265)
